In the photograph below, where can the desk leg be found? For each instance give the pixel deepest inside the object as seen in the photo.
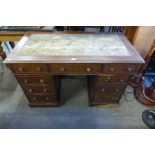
(2, 53)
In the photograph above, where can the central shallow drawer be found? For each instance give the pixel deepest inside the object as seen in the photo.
(75, 68)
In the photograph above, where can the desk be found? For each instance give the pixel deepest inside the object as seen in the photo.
(40, 60)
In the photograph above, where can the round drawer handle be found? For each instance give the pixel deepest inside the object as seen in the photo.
(41, 80)
(62, 69)
(117, 90)
(112, 69)
(44, 90)
(30, 90)
(107, 79)
(88, 69)
(129, 69)
(25, 81)
(102, 89)
(34, 98)
(38, 69)
(121, 80)
(47, 98)
(20, 69)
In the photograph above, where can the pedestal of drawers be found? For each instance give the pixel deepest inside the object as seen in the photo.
(40, 88)
(105, 92)
(108, 87)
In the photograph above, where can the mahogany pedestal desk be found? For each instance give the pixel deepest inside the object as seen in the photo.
(40, 59)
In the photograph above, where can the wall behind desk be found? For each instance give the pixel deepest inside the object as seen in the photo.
(143, 41)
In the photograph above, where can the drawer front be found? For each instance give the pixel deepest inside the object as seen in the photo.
(75, 68)
(109, 89)
(42, 98)
(28, 68)
(120, 68)
(37, 89)
(107, 98)
(112, 79)
(30, 80)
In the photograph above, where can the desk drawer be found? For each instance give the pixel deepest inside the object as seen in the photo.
(41, 98)
(75, 68)
(37, 89)
(120, 68)
(33, 80)
(112, 79)
(111, 89)
(107, 98)
(21, 68)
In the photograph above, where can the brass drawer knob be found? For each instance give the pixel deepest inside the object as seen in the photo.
(47, 98)
(20, 69)
(121, 80)
(117, 90)
(41, 80)
(112, 69)
(129, 69)
(25, 81)
(34, 98)
(62, 69)
(38, 69)
(88, 69)
(102, 89)
(44, 90)
(30, 90)
(107, 79)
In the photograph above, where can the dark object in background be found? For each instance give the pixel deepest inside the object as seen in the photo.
(82, 28)
(145, 92)
(151, 65)
(12, 44)
(2, 53)
(148, 117)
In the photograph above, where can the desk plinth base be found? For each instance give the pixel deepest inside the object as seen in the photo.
(105, 105)
(43, 104)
